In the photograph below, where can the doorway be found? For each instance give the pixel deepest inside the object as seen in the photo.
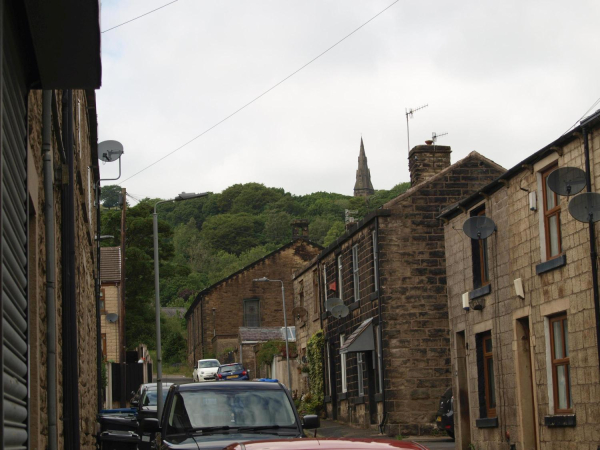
(462, 421)
(525, 385)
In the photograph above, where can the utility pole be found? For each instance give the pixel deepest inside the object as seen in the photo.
(122, 342)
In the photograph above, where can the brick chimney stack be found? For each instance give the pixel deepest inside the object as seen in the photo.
(300, 229)
(424, 161)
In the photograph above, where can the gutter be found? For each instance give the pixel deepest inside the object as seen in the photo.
(50, 267)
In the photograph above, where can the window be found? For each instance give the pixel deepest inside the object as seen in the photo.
(359, 369)
(102, 301)
(480, 256)
(561, 372)
(327, 370)
(324, 286)
(355, 273)
(103, 335)
(315, 290)
(340, 278)
(487, 362)
(375, 262)
(377, 362)
(343, 365)
(551, 217)
(252, 312)
(301, 293)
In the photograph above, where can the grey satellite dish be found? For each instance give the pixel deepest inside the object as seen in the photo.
(586, 207)
(340, 311)
(300, 313)
(479, 227)
(112, 317)
(110, 150)
(331, 302)
(567, 181)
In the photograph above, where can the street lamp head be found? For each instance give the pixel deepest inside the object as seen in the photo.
(189, 195)
(261, 279)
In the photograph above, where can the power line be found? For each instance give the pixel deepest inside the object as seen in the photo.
(136, 18)
(264, 93)
(584, 114)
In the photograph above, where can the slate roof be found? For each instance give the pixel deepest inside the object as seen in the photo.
(262, 334)
(110, 264)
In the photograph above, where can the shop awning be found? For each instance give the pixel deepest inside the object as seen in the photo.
(361, 340)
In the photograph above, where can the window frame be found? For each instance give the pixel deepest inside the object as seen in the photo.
(340, 275)
(489, 387)
(360, 374)
(301, 293)
(355, 273)
(556, 362)
(377, 362)
(315, 290)
(480, 255)
(104, 346)
(102, 301)
(343, 366)
(548, 214)
(375, 262)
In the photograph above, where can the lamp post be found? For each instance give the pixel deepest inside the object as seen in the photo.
(287, 350)
(179, 198)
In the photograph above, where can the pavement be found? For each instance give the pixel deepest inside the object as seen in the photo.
(334, 429)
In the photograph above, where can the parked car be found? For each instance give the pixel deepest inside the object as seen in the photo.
(329, 444)
(147, 408)
(445, 415)
(215, 415)
(233, 371)
(206, 370)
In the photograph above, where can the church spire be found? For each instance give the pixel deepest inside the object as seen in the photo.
(363, 186)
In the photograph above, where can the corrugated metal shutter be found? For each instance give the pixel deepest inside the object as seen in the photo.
(14, 352)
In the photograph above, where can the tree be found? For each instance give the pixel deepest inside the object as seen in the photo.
(336, 231)
(109, 195)
(233, 233)
(278, 227)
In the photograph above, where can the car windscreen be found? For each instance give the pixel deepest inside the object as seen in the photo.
(194, 410)
(150, 397)
(231, 368)
(208, 364)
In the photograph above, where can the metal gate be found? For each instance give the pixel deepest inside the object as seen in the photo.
(13, 245)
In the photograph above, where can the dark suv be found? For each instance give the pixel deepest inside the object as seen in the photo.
(214, 415)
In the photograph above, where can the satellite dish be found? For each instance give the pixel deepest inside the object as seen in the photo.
(340, 311)
(586, 207)
(331, 302)
(300, 313)
(479, 227)
(112, 317)
(110, 150)
(567, 181)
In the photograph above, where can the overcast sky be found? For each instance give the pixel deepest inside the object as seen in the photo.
(502, 78)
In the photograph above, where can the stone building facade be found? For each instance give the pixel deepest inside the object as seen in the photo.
(388, 361)
(218, 312)
(110, 303)
(525, 353)
(48, 152)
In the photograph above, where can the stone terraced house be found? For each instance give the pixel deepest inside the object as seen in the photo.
(388, 362)
(525, 352)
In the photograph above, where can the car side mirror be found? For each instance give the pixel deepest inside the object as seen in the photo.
(311, 422)
(151, 425)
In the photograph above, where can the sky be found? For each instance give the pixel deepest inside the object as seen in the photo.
(501, 78)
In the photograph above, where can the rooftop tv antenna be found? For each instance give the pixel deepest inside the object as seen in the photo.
(409, 113)
(435, 136)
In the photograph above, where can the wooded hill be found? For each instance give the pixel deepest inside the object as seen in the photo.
(206, 239)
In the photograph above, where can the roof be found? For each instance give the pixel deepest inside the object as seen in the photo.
(361, 340)
(526, 164)
(110, 264)
(249, 266)
(173, 311)
(262, 334)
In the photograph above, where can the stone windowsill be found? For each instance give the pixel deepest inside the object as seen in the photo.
(487, 422)
(327, 399)
(354, 306)
(550, 265)
(343, 396)
(358, 400)
(378, 397)
(373, 296)
(561, 420)
(480, 292)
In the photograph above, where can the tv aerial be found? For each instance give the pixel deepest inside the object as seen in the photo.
(586, 207)
(330, 303)
(567, 181)
(479, 227)
(112, 317)
(409, 113)
(435, 136)
(300, 313)
(340, 311)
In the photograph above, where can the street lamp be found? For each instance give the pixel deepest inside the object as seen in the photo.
(287, 350)
(179, 198)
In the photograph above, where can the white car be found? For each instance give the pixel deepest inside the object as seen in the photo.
(206, 370)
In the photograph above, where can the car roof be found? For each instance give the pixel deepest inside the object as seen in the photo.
(232, 364)
(154, 386)
(241, 385)
(331, 444)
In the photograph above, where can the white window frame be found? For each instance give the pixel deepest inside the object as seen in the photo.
(538, 168)
(550, 385)
(377, 356)
(340, 275)
(375, 261)
(343, 365)
(359, 372)
(355, 274)
(324, 287)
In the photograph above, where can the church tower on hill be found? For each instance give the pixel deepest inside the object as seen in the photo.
(363, 186)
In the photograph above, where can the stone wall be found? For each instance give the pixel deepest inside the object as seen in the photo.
(516, 251)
